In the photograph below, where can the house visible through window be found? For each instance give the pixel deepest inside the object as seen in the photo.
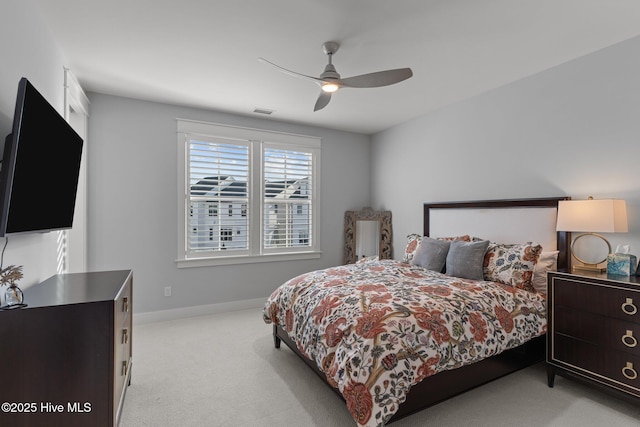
(266, 181)
(226, 235)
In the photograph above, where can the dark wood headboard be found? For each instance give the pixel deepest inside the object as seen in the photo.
(562, 240)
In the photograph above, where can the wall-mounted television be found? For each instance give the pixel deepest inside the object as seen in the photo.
(40, 167)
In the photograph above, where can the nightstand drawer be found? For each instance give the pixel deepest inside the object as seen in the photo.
(598, 330)
(616, 369)
(605, 299)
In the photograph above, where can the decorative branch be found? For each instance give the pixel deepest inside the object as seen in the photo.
(10, 275)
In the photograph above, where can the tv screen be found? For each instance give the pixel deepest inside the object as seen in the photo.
(40, 167)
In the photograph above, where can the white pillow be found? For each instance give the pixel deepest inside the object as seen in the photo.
(548, 261)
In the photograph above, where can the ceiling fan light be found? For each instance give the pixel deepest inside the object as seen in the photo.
(330, 87)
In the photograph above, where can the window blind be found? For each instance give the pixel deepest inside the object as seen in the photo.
(219, 211)
(287, 198)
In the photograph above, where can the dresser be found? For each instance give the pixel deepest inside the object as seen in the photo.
(65, 359)
(594, 329)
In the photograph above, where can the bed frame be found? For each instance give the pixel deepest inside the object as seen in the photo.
(444, 385)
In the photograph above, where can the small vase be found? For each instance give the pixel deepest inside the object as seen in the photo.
(13, 295)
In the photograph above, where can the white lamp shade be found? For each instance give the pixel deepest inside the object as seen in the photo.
(597, 216)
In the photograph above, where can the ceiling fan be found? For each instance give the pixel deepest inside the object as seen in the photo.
(330, 81)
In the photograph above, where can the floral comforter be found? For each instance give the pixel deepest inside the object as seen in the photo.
(376, 328)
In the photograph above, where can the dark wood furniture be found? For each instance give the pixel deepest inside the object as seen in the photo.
(442, 386)
(593, 330)
(66, 357)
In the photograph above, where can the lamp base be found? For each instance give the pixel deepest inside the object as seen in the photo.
(589, 267)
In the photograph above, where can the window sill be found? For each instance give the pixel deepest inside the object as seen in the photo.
(245, 259)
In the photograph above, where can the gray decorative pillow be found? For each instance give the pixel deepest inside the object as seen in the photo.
(431, 254)
(466, 259)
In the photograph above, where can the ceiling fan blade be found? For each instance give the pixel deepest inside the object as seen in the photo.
(292, 73)
(322, 101)
(378, 79)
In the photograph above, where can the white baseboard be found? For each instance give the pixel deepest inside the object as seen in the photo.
(198, 310)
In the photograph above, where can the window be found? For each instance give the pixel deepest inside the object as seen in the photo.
(268, 183)
(286, 179)
(226, 235)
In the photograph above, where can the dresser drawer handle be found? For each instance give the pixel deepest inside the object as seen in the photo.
(629, 340)
(125, 368)
(629, 372)
(125, 336)
(629, 308)
(125, 304)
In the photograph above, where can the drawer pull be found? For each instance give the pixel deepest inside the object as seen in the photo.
(629, 308)
(629, 340)
(125, 336)
(125, 367)
(125, 304)
(629, 372)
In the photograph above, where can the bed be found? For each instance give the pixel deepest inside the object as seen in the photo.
(394, 337)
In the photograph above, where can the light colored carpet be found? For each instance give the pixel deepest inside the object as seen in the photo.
(223, 370)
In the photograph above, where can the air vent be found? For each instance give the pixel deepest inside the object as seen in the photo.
(263, 111)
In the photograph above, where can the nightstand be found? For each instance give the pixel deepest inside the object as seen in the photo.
(594, 329)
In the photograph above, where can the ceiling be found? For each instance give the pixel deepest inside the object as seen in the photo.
(204, 53)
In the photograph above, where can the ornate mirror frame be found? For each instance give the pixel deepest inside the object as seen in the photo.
(351, 218)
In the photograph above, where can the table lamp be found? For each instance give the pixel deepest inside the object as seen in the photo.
(592, 217)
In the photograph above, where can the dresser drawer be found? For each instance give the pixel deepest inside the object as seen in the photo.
(123, 306)
(604, 299)
(616, 369)
(612, 333)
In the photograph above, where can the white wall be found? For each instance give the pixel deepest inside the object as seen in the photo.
(572, 130)
(133, 204)
(28, 50)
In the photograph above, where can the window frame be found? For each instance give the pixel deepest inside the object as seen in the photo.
(257, 140)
